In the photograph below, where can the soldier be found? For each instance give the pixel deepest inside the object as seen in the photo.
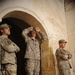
(8, 50)
(63, 57)
(32, 55)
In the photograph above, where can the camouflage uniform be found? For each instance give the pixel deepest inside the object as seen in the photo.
(8, 57)
(0, 56)
(32, 53)
(63, 64)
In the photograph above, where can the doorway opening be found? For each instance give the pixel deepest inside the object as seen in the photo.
(20, 20)
(16, 37)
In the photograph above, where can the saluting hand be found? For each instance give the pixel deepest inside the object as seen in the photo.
(30, 28)
(37, 29)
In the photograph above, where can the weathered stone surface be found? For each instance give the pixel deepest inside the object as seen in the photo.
(51, 18)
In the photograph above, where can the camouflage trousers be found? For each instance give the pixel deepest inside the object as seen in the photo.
(32, 67)
(64, 72)
(9, 69)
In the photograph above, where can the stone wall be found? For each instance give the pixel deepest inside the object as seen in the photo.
(51, 15)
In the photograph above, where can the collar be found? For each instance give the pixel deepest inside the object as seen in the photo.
(33, 39)
(5, 36)
(61, 48)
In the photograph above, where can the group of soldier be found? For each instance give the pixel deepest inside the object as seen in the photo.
(8, 50)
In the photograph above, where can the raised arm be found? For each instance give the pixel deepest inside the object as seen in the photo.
(42, 35)
(25, 33)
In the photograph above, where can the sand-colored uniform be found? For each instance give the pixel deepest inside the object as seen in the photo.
(32, 53)
(63, 64)
(8, 56)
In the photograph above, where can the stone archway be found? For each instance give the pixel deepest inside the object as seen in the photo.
(47, 58)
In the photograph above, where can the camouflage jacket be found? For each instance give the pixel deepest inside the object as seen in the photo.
(8, 50)
(33, 46)
(63, 63)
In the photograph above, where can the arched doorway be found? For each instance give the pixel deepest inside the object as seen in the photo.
(20, 20)
(18, 39)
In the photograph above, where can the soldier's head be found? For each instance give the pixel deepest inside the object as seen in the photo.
(62, 43)
(5, 29)
(32, 33)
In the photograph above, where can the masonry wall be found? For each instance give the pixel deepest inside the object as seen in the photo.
(50, 12)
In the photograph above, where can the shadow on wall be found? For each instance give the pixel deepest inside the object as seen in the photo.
(69, 1)
(2, 1)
